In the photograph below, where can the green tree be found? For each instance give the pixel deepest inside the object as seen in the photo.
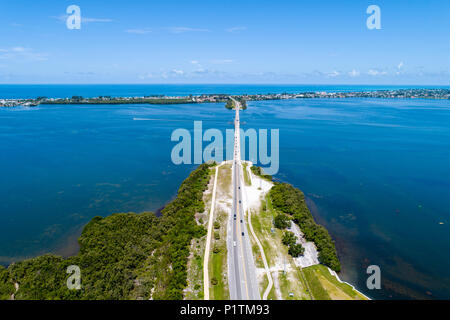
(296, 250)
(281, 221)
(291, 201)
(289, 238)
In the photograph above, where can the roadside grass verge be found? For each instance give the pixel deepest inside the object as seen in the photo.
(218, 260)
(246, 176)
(218, 266)
(259, 224)
(224, 180)
(218, 286)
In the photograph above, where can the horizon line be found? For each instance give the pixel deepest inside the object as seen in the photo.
(229, 84)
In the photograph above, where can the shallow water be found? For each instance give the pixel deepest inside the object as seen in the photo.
(376, 173)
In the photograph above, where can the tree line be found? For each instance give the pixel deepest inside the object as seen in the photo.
(231, 105)
(290, 202)
(122, 256)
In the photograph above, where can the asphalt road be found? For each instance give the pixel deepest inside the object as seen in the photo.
(243, 283)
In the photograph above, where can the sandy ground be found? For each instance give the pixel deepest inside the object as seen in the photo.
(253, 195)
(310, 257)
(16, 287)
(256, 192)
(224, 197)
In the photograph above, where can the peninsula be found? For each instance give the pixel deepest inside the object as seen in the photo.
(211, 98)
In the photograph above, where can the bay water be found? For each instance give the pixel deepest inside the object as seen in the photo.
(376, 172)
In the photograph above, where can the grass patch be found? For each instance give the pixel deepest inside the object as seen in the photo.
(284, 286)
(317, 290)
(224, 180)
(217, 263)
(337, 289)
(246, 176)
(218, 266)
(263, 285)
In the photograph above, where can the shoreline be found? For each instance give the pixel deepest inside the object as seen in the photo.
(424, 93)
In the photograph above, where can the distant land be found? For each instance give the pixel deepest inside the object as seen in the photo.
(207, 98)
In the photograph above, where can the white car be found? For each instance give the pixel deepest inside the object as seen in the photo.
(234, 243)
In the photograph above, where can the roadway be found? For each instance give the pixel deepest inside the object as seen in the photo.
(242, 280)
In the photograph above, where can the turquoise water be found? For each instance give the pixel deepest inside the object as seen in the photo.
(376, 173)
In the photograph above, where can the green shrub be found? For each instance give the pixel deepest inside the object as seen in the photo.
(282, 221)
(296, 249)
(289, 238)
(291, 201)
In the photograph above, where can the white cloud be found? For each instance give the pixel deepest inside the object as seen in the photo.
(333, 74)
(138, 31)
(236, 29)
(222, 61)
(86, 20)
(174, 73)
(354, 73)
(177, 30)
(200, 71)
(177, 72)
(399, 68)
(194, 62)
(375, 72)
(147, 75)
(18, 49)
(21, 53)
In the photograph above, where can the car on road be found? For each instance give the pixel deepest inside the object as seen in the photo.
(241, 220)
(242, 234)
(234, 243)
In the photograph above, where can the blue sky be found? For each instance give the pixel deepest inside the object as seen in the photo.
(318, 42)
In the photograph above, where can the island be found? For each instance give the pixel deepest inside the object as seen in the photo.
(436, 93)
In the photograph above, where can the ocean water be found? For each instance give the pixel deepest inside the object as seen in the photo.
(376, 172)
